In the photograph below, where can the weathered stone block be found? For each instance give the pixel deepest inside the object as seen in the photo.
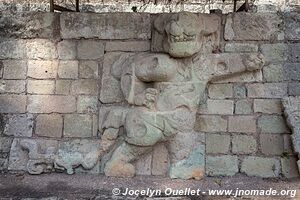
(220, 91)
(89, 49)
(78, 125)
(68, 69)
(14, 69)
(294, 89)
(222, 107)
(29, 25)
(293, 53)
(261, 167)
(49, 125)
(273, 73)
(292, 24)
(88, 69)
(51, 103)
(292, 71)
(160, 160)
(243, 144)
(87, 104)
(246, 77)
(216, 143)
(207, 123)
(40, 87)
(41, 49)
(12, 49)
(42, 69)
(244, 124)
(243, 106)
(239, 91)
(248, 26)
(84, 86)
(268, 106)
(274, 52)
(267, 90)
(5, 144)
(19, 125)
(221, 165)
(272, 124)
(289, 167)
(63, 87)
(12, 103)
(271, 144)
(104, 26)
(12, 86)
(67, 50)
(143, 165)
(127, 46)
(287, 144)
(187, 155)
(241, 47)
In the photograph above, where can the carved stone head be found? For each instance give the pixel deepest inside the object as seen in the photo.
(182, 34)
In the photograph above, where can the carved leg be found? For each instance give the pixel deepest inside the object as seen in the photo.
(119, 164)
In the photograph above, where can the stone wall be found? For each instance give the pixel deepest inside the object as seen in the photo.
(56, 89)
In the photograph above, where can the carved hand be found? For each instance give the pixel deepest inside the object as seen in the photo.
(147, 98)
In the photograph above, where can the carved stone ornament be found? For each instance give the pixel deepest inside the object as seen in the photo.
(292, 111)
(164, 90)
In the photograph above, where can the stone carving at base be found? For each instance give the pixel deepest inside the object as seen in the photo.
(164, 91)
(292, 111)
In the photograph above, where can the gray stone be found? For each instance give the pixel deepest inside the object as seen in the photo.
(292, 22)
(221, 165)
(267, 90)
(84, 86)
(42, 69)
(14, 69)
(294, 89)
(78, 125)
(19, 125)
(239, 91)
(143, 164)
(273, 73)
(12, 49)
(272, 124)
(288, 144)
(268, 106)
(71, 154)
(274, 52)
(63, 87)
(88, 69)
(41, 49)
(160, 160)
(261, 167)
(103, 26)
(289, 167)
(207, 123)
(67, 50)
(293, 53)
(249, 26)
(68, 69)
(29, 25)
(89, 49)
(216, 143)
(51, 103)
(87, 104)
(247, 77)
(40, 86)
(127, 46)
(292, 71)
(33, 155)
(243, 124)
(271, 144)
(12, 103)
(12, 86)
(241, 47)
(221, 107)
(5, 144)
(220, 91)
(244, 144)
(49, 125)
(243, 106)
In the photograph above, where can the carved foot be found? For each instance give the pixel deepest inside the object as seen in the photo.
(119, 169)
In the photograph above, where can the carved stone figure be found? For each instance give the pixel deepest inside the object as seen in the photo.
(292, 111)
(164, 89)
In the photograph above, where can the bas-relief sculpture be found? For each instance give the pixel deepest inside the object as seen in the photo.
(292, 111)
(163, 90)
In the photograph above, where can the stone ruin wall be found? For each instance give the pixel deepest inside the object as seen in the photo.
(56, 89)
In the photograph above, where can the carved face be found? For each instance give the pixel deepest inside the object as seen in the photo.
(182, 34)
